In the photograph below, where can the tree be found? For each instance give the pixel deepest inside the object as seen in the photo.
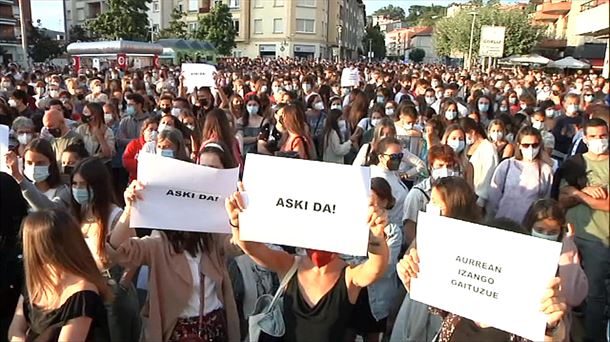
(376, 39)
(417, 55)
(424, 15)
(41, 46)
(124, 19)
(177, 27)
(391, 12)
(453, 34)
(79, 34)
(217, 28)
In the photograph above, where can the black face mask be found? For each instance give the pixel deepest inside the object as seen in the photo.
(68, 169)
(166, 110)
(80, 97)
(393, 164)
(85, 119)
(55, 132)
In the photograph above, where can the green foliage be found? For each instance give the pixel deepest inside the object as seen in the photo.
(453, 34)
(417, 55)
(377, 41)
(217, 28)
(124, 19)
(78, 33)
(177, 27)
(42, 47)
(424, 15)
(391, 12)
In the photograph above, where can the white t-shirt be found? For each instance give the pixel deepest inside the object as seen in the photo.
(211, 302)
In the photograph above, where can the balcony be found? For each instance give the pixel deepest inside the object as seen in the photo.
(9, 40)
(557, 8)
(8, 21)
(547, 18)
(594, 19)
(553, 43)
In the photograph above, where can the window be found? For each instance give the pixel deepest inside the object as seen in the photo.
(155, 27)
(192, 27)
(233, 3)
(306, 3)
(258, 3)
(180, 8)
(278, 25)
(236, 25)
(155, 6)
(258, 26)
(278, 3)
(193, 5)
(305, 25)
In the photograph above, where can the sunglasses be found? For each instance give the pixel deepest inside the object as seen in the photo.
(534, 145)
(394, 156)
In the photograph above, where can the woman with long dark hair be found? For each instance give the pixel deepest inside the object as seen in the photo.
(217, 128)
(334, 149)
(98, 138)
(293, 122)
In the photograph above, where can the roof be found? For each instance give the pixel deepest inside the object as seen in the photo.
(186, 44)
(423, 31)
(114, 46)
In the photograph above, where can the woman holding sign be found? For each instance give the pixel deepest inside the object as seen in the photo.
(190, 292)
(318, 300)
(454, 198)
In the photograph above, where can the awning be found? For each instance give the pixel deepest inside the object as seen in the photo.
(526, 59)
(569, 63)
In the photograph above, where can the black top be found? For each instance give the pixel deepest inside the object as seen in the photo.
(326, 321)
(45, 325)
(467, 330)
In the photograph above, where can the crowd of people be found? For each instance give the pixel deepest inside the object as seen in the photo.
(520, 149)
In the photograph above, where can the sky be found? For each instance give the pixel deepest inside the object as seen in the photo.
(50, 12)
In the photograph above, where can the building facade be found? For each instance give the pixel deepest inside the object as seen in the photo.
(10, 30)
(400, 41)
(78, 12)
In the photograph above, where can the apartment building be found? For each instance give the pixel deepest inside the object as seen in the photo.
(78, 12)
(298, 28)
(10, 30)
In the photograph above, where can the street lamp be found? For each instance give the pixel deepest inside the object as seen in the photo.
(474, 15)
(339, 30)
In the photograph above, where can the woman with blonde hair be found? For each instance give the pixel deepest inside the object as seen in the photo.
(497, 133)
(65, 293)
(455, 138)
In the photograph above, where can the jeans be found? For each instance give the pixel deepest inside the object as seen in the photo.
(596, 264)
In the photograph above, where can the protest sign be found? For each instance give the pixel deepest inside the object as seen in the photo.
(488, 275)
(350, 77)
(306, 204)
(3, 147)
(182, 196)
(198, 75)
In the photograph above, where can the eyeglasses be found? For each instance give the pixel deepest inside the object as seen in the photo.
(394, 156)
(534, 145)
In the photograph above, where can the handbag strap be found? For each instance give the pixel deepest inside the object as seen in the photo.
(201, 300)
(291, 272)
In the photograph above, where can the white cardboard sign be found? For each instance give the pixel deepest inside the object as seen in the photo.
(182, 196)
(307, 204)
(4, 132)
(488, 275)
(350, 77)
(198, 75)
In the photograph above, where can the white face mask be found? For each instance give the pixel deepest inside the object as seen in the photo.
(539, 125)
(549, 112)
(456, 145)
(451, 115)
(598, 146)
(318, 106)
(530, 153)
(36, 173)
(469, 140)
(107, 118)
(336, 106)
(430, 99)
(571, 109)
(496, 136)
(375, 122)
(24, 138)
(389, 111)
(441, 173)
(175, 112)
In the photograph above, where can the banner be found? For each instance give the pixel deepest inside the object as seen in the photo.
(198, 75)
(306, 204)
(488, 275)
(4, 133)
(182, 196)
(492, 41)
(121, 61)
(76, 63)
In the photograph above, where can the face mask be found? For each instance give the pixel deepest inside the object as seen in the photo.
(85, 118)
(523, 106)
(288, 87)
(469, 140)
(571, 109)
(430, 99)
(512, 100)
(439, 94)
(553, 237)
(252, 110)
(81, 195)
(393, 164)
(175, 111)
(389, 111)
(12, 103)
(6, 85)
(275, 89)
(24, 138)
(67, 169)
(519, 91)
(496, 136)
(40, 90)
(375, 122)
(191, 127)
(130, 110)
(450, 115)
(320, 258)
(598, 146)
(264, 89)
(456, 145)
(162, 127)
(53, 93)
(530, 153)
(152, 136)
(588, 98)
(503, 109)
(483, 107)
(97, 89)
(441, 173)
(539, 125)
(318, 106)
(380, 99)
(306, 87)
(166, 153)
(336, 106)
(36, 173)
(550, 113)
(54, 132)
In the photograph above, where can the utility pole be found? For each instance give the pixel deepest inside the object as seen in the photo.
(474, 15)
(370, 49)
(24, 32)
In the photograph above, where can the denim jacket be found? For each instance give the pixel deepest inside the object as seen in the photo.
(382, 293)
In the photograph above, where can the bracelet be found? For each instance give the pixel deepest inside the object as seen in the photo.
(232, 225)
